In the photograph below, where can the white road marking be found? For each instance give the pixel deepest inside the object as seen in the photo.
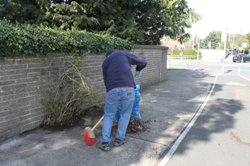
(220, 71)
(170, 153)
(244, 78)
(239, 71)
(235, 83)
(239, 68)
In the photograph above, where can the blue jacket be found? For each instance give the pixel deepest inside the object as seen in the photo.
(116, 69)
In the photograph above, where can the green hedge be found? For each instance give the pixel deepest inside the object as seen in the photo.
(185, 56)
(18, 39)
(188, 52)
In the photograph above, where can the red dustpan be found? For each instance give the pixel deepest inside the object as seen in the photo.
(89, 135)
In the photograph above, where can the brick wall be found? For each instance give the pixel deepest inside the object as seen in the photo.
(20, 80)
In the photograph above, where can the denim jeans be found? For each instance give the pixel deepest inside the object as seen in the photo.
(127, 96)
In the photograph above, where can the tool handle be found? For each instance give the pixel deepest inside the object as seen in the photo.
(93, 128)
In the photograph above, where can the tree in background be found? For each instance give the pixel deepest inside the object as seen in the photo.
(213, 38)
(115, 17)
(230, 40)
(234, 40)
(150, 19)
(239, 39)
(139, 21)
(218, 34)
(24, 11)
(248, 44)
(145, 21)
(228, 46)
(178, 16)
(69, 16)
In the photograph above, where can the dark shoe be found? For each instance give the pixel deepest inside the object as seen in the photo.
(103, 146)
(119, 142)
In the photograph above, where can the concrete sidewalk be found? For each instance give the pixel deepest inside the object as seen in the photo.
(166, 107)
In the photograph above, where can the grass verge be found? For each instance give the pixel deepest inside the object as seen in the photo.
(171, 68)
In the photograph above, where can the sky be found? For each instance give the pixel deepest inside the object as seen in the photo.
(219, 15)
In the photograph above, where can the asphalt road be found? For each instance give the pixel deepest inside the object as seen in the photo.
(229, 67)
(220, 135)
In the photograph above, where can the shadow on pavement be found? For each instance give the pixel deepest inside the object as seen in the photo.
(218, 116)
(211, 122)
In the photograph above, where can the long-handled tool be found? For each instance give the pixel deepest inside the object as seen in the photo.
(89, 135)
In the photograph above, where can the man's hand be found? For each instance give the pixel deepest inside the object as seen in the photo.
(137, 72)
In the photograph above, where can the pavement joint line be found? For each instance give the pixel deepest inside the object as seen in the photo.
(176, 144)
(147, 140)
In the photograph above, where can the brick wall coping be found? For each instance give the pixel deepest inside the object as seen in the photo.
(151, 47)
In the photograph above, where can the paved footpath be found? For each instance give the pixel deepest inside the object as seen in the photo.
(166, 107)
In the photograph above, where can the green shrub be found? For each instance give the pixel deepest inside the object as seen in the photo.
(191, 54)
(18, 39)
(186, 52)
(70, 94)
